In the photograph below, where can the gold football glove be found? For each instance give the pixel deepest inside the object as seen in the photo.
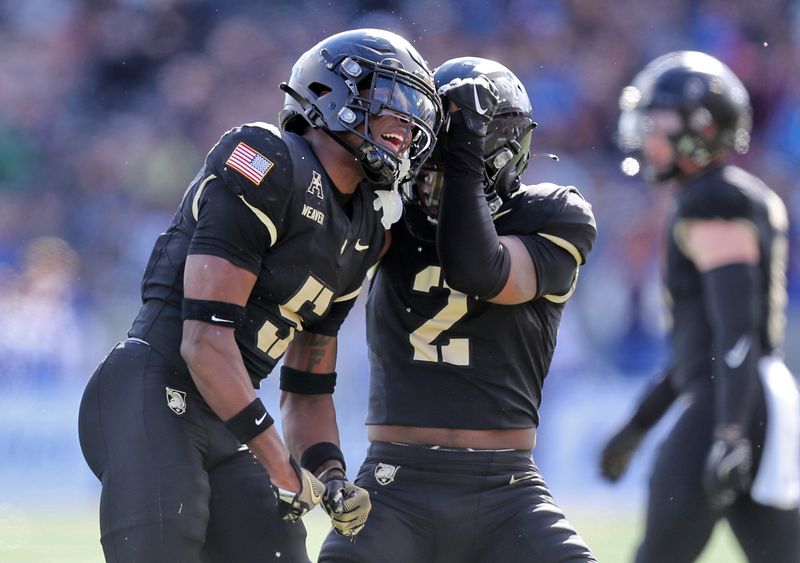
(347, 504)
(293, 506)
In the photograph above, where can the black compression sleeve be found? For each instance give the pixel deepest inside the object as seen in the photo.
(654, 403)
(731, 296)
(473, 261)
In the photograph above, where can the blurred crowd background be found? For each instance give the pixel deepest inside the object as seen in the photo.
(108, 108)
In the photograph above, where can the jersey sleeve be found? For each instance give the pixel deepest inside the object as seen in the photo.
(330, 324)
(558, 228)
(228, 228)
(255, 164)
(715, 200)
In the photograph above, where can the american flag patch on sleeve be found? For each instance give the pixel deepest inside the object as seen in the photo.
(251, 163)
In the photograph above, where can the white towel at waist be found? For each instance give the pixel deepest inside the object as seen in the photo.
(777, 482)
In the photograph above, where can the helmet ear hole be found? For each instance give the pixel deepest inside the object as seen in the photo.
(318, 88)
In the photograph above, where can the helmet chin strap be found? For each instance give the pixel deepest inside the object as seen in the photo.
(378, 167)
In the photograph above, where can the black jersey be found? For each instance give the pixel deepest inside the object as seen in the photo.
(264, 202)
(732, 194)
(439, 358)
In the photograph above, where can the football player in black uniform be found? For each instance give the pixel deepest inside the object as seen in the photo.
(733, 452)
(273, 237)
(462, 315)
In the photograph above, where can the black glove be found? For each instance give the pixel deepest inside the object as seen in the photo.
(477, 98)
(347, 504)
(727, 472)
(292, 506)
(619, 449)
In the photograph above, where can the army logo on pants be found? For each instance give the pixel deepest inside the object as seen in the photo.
(176, 400)
(384, 473)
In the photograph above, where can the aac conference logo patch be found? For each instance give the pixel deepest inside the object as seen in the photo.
(176, 400)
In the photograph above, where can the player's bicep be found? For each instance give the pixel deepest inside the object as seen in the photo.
(312, 353)
(553, 268)
(219, 290)
(715, 243)
(211, 278)
(521, 283)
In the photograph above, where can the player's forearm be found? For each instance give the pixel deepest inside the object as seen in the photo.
(308, 420)
(655, 402)
(216, 366)
(473, 260)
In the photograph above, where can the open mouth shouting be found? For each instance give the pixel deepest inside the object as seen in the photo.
(395, 140)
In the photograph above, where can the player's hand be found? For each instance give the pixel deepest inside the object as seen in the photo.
(618, 451)
(476, 98)
(293, 506)
(347, 504)
(727, 471)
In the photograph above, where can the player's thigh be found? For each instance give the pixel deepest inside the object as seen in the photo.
(766, 534)
(244, 525)
(154, 499)
(521, 522)
(399, 528)
(679, 518)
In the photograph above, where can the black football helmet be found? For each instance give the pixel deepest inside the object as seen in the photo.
(507, 144)
(699, 91)
(346, 79)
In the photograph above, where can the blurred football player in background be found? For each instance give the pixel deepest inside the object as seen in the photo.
(462, 318)
(273, 237)
(734, 450)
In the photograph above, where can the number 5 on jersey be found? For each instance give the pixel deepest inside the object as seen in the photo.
(312, 291)
(453, 351)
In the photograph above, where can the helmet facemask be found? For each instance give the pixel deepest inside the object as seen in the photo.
(347, 81)
(507, 151)
(506, 146)
(389, 94)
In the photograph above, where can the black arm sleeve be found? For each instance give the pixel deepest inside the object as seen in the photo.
(654, 403)
(731, 297)
(473, 260)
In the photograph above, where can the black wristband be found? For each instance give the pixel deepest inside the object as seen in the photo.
(249, 422)
(307, 383)
(319, 453)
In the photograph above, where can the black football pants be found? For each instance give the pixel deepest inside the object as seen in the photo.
(175, 487)
(456, 506)
(679, 518)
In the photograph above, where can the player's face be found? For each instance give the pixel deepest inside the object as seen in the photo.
(391, 131)
(658, 127)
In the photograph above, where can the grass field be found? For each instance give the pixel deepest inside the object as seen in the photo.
(72, 537)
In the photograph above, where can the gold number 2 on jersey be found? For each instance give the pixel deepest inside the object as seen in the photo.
(456, 351)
